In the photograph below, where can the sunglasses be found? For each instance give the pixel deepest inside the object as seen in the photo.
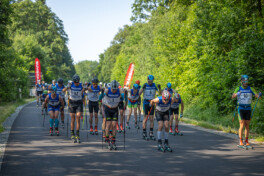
(95, 84)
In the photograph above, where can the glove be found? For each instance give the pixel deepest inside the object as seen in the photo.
(159, 86)
(69, 84)
(260, 94)
(238, 93)
(144, 86)
(181, 115)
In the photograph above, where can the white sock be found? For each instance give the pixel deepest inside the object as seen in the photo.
(166, 135)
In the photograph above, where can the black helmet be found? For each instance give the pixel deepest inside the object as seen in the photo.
(95, 80)
(114, 85)
(76, 78)
(60, 81)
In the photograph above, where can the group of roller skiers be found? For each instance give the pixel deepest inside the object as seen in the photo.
(112, 101)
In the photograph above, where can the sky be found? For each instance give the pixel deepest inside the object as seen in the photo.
(91, 24)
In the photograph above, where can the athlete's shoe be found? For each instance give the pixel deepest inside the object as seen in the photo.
(51, 131)
(117, 127)
(96, 130)
(241, 142)
(247, 143)
(91, 130)
(121, 127)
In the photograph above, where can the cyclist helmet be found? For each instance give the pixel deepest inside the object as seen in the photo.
(150, 77)
(95, 80)
(54, 89)
(76, 78)
(60, 81)
(135, 86)
(166, 95)
(114, 85)
(169, 85)
(244, 78)
(137, 82)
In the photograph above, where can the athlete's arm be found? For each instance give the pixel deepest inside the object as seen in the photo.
(90, 88)
(156, 100)
(142, 89)
(45, 102)
(235, 94)
(62, 102)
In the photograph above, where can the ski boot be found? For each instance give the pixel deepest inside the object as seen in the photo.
(95, 130)
(57, 131)
(91, 130)
(73, 139)
(160, 147)
(127, 126)
(113, 143)
(108, 143)
(78, 140)
(51, 131)
(177, 132)
(170, 132)
(121, 128)
(145, 136)
(151, 136)
(117, 128)
(167, 147)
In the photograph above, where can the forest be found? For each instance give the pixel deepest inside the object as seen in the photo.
(202, 47)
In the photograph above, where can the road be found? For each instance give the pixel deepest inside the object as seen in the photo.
(31, 151)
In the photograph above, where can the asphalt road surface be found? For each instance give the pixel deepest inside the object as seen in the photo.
(31, 151)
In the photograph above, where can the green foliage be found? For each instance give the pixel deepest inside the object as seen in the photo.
(86, 70)
(201, 47)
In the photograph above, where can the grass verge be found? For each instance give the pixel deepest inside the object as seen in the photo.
(9, 108)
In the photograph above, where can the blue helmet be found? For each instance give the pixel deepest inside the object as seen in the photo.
(244, 78)
(54, 89)
(150, 77)
(169, 85)
(136, 86)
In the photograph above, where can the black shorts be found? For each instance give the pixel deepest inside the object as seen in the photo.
(147, 109)
(162, 116)
(39, 93)
(76, 106)
(111, 114)
(174, 111)
(121, 105)
(244, 114)
(139, 101)
(93, 106)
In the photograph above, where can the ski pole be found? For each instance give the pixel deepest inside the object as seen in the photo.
(44, 119)
(84, 111)
(234, 114)
(124, 129)
(254, 109)
(67, 122)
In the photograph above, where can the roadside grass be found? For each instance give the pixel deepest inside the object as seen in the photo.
(211, 119)
(8, 108)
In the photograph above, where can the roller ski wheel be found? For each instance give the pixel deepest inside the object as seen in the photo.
(137, 127)
(249, 147)
(119, 131)
(146, 138)
(73, 139)
(160, 148)
(91, 132)
(96, 132)
(78, 140)
(167, 148)
(171, 133)
(178, 133)
(242, 146)
(57, 133)
(114, 147)
(109, 146)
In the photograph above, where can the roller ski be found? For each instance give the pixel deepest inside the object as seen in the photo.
(108, 143)
(145, 137)
(137, 126)
(51, 132)
(91, 130)
(127, 126)
(57, 132)
(78, 140)
(248, 145)
(151, 136)
(113, 146)
(118, 129)
(177, 132)
(167, 148)
(121, 129)
(73, 139)
(242, 146)
(160, 147)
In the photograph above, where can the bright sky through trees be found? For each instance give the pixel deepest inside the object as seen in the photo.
(91, 25)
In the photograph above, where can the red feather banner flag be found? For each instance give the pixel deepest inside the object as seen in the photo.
(37, 70)
(129, 75)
